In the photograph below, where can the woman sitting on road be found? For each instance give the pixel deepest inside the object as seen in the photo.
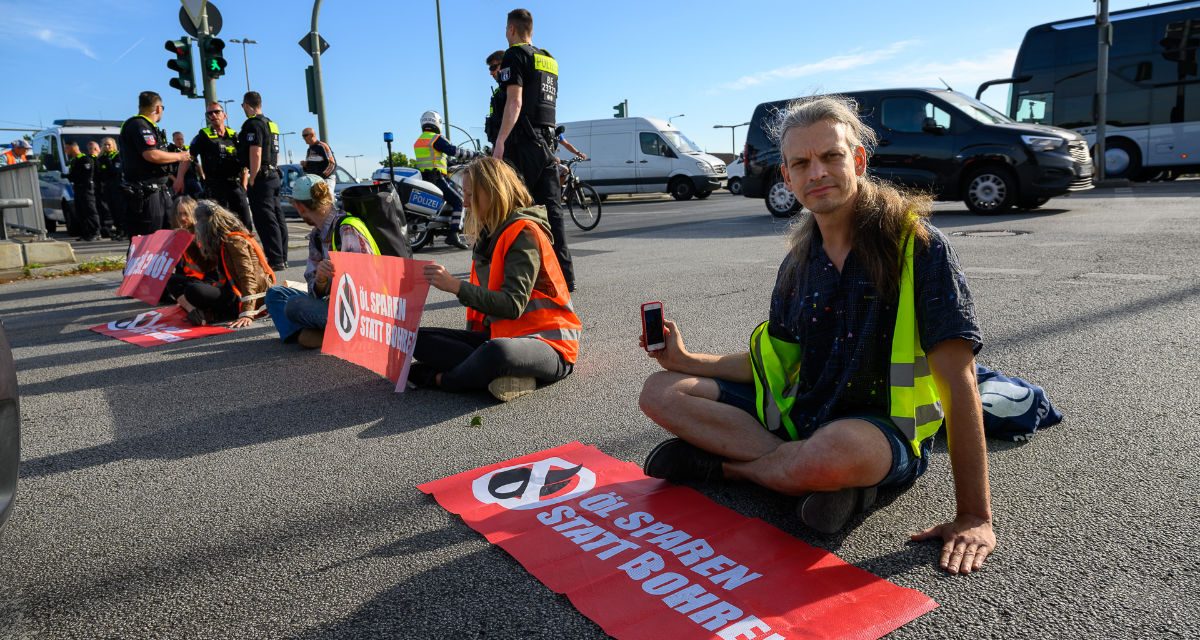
(522, 328)
(193, 265)
(241, 265)
(300, 316)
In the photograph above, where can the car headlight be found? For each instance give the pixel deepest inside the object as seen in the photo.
(1043, 143)
(704, 166)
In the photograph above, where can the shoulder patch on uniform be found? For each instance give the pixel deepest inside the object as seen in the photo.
(149, 138)
(249, 136)
(505, 74)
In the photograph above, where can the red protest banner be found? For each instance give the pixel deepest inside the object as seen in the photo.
(151, 261)
(646, 559)
(160, 326)
(375, 308)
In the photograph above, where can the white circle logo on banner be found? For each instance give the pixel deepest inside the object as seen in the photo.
(345, 305)
(533, 485)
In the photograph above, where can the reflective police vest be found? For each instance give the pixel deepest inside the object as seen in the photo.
(226, 153)
(358, 226)
(428, 158)
(913, 402)
(549, 319)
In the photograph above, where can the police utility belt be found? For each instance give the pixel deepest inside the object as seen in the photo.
(146, 186)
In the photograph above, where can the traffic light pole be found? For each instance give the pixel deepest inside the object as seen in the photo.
(1104, 30)
(315, 48)
(210, 83)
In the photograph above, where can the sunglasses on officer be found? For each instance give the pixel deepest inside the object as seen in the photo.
(493, 67)
(213, 112)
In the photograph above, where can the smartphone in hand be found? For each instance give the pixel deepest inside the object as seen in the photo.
(652, 326)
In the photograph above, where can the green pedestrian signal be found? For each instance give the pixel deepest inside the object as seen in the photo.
(185, 81)
(211, 53)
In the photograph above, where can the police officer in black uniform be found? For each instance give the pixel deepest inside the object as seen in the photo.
(491, 125)
(258, 150)
(529, 78)
(191, 176)
(145, 162)
(83, 182)
(108, 184)
(224, 175)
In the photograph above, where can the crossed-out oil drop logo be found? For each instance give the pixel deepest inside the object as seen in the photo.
(146, 319)
(533, 485)
(345, 303)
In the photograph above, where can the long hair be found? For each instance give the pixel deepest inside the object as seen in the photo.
(506, 193)
(213, 223)
(185, 206)
(883, 214)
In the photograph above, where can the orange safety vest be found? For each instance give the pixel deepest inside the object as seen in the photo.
(243, 299)
(549, 319)
(189, 263)
(12, 157)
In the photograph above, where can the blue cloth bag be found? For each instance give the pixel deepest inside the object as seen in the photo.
(1012, 408)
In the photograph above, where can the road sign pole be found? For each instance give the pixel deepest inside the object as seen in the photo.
(315, 48)
(210, 83)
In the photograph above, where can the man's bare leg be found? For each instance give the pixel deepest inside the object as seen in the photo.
(687, 407)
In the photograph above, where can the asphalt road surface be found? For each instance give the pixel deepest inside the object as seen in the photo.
(237, 487)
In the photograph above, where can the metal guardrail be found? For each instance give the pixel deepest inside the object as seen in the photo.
(20, 182)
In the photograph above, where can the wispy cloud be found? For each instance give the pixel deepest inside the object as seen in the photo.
(964, 74)
(64, 40)
(852, 60)
(49, 24)
(143, 39)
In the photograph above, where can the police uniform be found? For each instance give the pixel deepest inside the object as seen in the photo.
(222, 171)
(108, 192)
(191, 179)
(146, 182)
(83, 181)
(259, 131)
(530, 145)
(491, 124)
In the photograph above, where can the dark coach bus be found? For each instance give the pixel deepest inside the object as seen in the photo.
(1153, 128)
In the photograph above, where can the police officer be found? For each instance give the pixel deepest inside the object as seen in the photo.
(529, 78)
(258, 151)
(108, 189)
(430, 151)
(145, 163)
(82, 176)
(224, 175)
(192, 175)
(491, 124)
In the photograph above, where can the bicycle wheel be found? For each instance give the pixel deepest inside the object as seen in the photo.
(584, 205)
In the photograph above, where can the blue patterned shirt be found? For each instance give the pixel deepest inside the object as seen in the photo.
(846, 329)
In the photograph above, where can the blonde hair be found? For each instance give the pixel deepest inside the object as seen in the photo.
(320, 199)
(213, 223)
(506, 193)
(185, 206)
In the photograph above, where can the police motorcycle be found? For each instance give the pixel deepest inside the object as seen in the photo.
(425, 208)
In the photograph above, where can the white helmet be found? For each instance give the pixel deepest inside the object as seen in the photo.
(431, 119)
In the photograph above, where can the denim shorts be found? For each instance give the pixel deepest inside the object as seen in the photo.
(906, 467)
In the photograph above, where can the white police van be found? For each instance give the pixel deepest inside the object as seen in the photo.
(53, 165)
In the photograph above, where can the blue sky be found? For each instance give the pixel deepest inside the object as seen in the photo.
(711, 61)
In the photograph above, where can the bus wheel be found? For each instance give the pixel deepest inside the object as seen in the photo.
(1122, 160)
(990, 190)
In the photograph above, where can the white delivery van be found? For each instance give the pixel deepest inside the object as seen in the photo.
(641, 155)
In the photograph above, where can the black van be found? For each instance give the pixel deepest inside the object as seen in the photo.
(941, 141)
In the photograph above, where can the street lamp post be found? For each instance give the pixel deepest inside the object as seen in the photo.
(283, 142)
(245, 63)
(732, 135)
(673, 117)
(356, 157)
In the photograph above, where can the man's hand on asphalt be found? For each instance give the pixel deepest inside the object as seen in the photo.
(241, 323)
(968, 541)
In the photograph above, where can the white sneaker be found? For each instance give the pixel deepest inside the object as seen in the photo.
(509, 388)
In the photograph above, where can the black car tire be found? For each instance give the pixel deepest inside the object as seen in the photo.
(700, 195)
(682, 189)
(990, 190)
(735, 186)
(781, 202)
(1032, 203)
(1125, 151)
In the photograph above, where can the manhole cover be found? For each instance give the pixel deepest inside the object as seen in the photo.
(989, 233)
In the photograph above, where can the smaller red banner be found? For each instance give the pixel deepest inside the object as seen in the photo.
(151, 261)
(646, 559)
(160, 326)
(375, 309)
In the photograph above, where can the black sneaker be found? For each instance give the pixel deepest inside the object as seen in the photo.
(679, 461)
(421, 376)
(829, 511)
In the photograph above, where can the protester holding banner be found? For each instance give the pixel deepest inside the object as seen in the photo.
(522, 328)
(244, 273)
(298, 315)
(193, 264)
(870, 343)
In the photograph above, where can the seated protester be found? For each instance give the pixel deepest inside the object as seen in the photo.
(521, 326)
(193, 265)
(298, 315)
(244, 274)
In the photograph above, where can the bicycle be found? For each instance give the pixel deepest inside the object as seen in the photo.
(581, 198)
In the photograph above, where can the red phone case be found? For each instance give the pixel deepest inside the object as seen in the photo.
(664, 319)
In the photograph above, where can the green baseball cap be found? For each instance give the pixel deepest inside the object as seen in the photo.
(302, 187)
